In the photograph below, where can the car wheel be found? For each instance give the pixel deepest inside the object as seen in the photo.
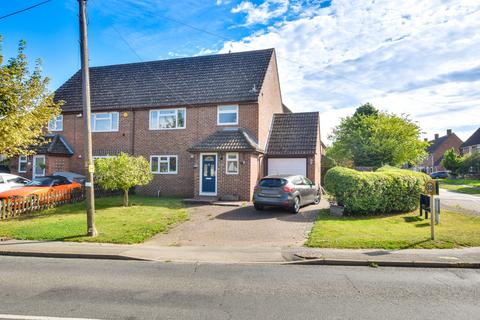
(317, 199)
(258, 207)
(296, 205)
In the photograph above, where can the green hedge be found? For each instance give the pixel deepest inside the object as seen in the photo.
(386, 190)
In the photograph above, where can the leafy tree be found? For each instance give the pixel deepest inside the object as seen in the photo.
(471, 164)
(122, 173)
(26, 105)
(452, 161)
(371, 138)
(366, 109)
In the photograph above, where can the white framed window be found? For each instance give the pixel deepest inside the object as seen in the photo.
(22, 164)
(164, 164)
(165, 119)
(104, 121)
(232, 163)
(227, 115)
(56, 124)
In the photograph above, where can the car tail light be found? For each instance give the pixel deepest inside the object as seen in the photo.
(289, 187)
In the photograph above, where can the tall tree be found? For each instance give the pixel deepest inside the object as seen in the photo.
(26, 105)
(372, 138)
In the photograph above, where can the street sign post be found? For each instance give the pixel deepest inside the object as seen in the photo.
(432, 190)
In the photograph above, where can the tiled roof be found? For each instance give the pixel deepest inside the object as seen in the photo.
(293, 134)
(229, 139)
(55, 144)
(473, 140)
(436, 143)
(221, 78)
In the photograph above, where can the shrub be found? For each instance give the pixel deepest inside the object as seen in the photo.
(383, 191)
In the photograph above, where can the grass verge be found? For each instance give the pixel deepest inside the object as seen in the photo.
(461, 185)
(145, 217)
(399, 231)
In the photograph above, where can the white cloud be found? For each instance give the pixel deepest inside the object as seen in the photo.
(416, 57)
(261, 13)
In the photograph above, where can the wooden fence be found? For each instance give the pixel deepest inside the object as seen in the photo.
(15, 206)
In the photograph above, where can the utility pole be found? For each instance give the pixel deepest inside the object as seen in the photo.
(88, 158)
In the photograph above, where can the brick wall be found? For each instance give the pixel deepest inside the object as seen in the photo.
(201, 121)
(52, 163)
(269, 101)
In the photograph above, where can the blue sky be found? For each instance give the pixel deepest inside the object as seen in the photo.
(416, 57)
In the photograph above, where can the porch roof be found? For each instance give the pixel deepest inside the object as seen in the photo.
(228, 139)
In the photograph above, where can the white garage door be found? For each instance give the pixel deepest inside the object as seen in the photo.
(287, 166)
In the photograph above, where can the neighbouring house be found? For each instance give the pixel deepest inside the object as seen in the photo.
(472, 144)
(436, 150)
(210, 126)
(55, 148)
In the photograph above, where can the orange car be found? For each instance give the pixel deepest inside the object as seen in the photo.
(57, 186)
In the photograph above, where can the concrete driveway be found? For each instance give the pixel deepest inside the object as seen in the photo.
(220, 226)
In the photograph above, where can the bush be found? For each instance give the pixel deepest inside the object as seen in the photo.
(386, 190)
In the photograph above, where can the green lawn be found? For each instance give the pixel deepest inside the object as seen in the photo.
(461, 185)
(115, 224)
(400, 231)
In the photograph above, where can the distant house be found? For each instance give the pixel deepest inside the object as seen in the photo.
(436, 149)
(472, 144)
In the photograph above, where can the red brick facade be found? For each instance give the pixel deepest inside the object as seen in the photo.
(135, 137)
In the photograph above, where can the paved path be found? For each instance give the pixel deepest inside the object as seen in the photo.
(99, 289)
(220, 226)
(460, 202)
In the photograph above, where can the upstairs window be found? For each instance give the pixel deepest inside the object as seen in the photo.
(232, 163)
(56, 124)
(104, 121)
(227, 115)
(163, 164)
(22, 164)
(165, 119)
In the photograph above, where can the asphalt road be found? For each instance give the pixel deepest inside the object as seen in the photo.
(96, 289)
(460, 202)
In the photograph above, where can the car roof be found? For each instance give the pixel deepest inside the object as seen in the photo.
(8, 175)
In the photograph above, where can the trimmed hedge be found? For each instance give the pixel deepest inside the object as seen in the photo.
(386, 190)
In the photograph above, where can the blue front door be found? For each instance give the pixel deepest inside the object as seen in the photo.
(209, 176)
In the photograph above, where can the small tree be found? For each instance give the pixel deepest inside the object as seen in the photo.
(122, 173)
(26, 105)
(471, 164)
(452, 161)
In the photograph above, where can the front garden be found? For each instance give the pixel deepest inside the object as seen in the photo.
(394, 231)
(381, 211)
(145, 217)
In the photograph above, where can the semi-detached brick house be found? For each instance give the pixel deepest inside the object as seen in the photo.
(203, 123)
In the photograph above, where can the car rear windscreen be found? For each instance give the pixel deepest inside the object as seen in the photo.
(272, 183)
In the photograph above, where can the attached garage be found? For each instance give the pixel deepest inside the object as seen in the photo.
(287, 166)
(293, 145)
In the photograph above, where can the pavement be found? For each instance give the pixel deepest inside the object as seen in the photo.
(223, 234)
(462, 202)
(39, 288)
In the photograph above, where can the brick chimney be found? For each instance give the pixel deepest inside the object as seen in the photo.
(449, 132)
(436, 136)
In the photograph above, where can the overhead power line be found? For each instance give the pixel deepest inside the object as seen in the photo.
(23, 10)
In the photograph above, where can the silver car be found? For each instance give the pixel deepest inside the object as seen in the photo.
(287, 191)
